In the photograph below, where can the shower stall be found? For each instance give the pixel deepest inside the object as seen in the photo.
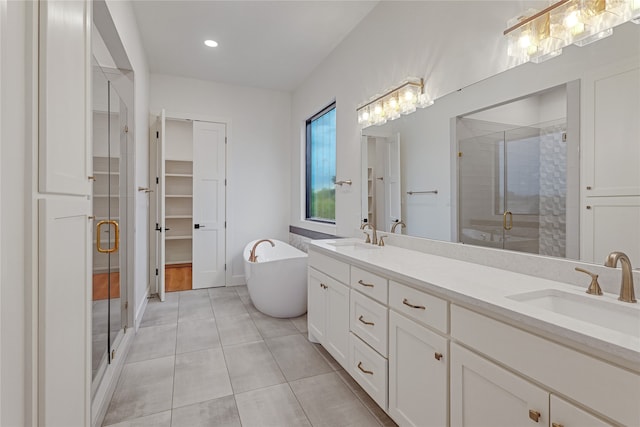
(513, 186)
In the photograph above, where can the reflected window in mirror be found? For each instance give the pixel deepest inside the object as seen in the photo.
(321, 166)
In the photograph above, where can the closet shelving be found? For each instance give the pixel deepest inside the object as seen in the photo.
(179, 211)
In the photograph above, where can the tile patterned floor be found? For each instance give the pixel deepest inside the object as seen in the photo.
(209, 358)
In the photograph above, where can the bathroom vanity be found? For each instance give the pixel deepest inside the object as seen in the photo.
(438, 341)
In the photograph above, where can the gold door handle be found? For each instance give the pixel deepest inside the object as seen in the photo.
(534, 415)
(116, 244)
(361, 318)
(504, 220)
(419, 307)
(364, 370)
(556, 425)
(368, 285)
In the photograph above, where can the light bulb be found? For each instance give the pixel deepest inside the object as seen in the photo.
(573, 23)
(365, 115)
(524, 41)
(393, 103)
(211, 43)
(408, 95)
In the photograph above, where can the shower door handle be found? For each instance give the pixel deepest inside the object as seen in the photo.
(504, 220)
(117, 240)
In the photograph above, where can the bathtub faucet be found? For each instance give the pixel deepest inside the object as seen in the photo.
(253, 257)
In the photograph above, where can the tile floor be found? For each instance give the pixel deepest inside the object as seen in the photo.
(209, 358)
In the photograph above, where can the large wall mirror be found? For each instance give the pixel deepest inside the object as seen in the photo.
(542, 158)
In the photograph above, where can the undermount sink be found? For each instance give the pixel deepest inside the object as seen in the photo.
(350, 244)
(618, 316)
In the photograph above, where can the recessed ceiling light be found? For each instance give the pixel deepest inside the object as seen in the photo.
(211, 43)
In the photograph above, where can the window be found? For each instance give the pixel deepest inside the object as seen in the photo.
(321, 166)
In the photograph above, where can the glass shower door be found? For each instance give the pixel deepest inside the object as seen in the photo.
(480, 219)
(109, 209)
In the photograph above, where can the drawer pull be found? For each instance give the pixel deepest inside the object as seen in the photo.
(534, 415)
(368, 285)
(364, 370)
(361, 318)
(438, 356)
(419, 307)
(556, 425)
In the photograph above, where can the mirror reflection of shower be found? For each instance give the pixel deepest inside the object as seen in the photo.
(513, 174)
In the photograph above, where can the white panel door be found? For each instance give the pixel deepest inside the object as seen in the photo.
(484, 394)
(64, 355)
(418, 371)
(63, 108)
(161, 221)
(337, 322)
(209, 172)
(316, 307)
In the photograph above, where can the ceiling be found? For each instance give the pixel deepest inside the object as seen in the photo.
(264, 44)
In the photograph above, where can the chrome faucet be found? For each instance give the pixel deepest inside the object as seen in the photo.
(374, 235)
(626, 287)
(253, 257)
(397, 223)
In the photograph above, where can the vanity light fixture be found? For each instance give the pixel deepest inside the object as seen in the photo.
(211, 43)
(537, 36)
(402, 99)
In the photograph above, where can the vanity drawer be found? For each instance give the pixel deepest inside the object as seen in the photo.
(330, 266)
(369, 284)
(418, 305)
(369, 369)
(369, 321)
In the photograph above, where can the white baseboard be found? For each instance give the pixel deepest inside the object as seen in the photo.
(140, 310)
(237, 280)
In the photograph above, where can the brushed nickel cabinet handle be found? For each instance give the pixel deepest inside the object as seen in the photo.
(438, 356)
(361, 318)
(419, 307)
(534, 415)
(368, 285)
(556, 425)
(364, 370)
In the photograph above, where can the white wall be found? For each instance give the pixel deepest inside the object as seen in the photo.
(431, 40)
(258, 159)
(14, 189)
(125, 23)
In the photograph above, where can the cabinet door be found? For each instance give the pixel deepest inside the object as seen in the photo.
(316, 307)
(64, 372)
(564, 414)
(417, 374)
(337, 321)
(484, 394)
(64, 94)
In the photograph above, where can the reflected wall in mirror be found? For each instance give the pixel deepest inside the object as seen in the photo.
(578, 198)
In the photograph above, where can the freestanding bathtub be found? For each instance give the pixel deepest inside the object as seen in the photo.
(277, 281)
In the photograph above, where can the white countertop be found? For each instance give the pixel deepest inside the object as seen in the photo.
(487, 288)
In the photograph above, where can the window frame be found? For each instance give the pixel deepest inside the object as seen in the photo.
(307, 184)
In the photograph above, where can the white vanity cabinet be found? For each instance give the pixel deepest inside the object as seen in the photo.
(328, 307)
(418, 357)
(417, 374)
(476, 382)
(484, 394)
(564, 414)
